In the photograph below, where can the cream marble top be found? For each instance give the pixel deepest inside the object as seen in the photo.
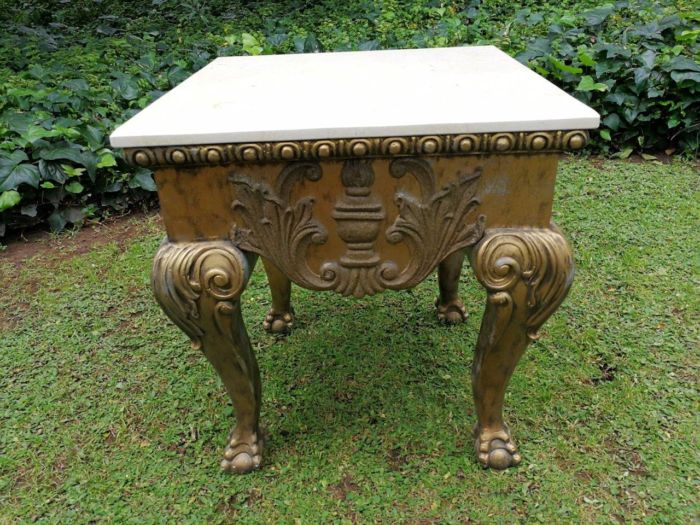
(355, 94)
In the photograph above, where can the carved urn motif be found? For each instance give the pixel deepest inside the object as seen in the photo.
(359, 215)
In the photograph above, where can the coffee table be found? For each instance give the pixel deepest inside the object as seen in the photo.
(357, 173)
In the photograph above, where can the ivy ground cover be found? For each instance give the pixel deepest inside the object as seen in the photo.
(70, 72)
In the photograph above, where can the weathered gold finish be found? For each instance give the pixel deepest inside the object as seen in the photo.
(281, 230)
(280, 318)
(327, 149)
(527, 273)
(198, 285)
(514, 190)
(357, 217)
(450, 308)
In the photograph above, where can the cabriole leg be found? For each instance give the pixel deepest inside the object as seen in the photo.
(198, 285)
(280, 318)
(527, 273)
(450, 308)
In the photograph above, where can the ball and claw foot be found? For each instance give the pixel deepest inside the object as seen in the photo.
(242, 455)
(452, 312)
(278, 323)
(496, 449)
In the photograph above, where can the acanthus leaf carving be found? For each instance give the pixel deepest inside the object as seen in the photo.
(433, 225)
(275, 228)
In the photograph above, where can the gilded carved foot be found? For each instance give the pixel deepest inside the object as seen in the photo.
(527, 273)
(243, 452)
(279, 323)
(198, 285)
(450, 309)
(451, 312)
(495, 448)
(280, 318)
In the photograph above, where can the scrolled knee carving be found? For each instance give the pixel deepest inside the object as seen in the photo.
(527, 273)
(188, 277)
(536, 262)
(198, 285)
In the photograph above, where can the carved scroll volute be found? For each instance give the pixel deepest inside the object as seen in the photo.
(534, 262)
(186, 276)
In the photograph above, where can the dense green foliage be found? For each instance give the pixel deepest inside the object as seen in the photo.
(108, 416)
(70, 71)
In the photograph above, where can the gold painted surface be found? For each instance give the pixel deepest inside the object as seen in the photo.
(358, 226)
(429, 224)
(199, 285)
(449, 307)
(280, 317)
(527, 273)
(511, 190)
(328, 149)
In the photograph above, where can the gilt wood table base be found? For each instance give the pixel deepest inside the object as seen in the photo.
(356, 173)
(357, 226)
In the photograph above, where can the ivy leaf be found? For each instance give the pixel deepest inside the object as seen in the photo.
(57, 221)
(597, 16)
(143, 179)
(176, 74)
(77, 84)
(71, 171)
(648, 58)
(106, 160)
(29, 210)
(90, 162)
(585, 58)
(13, 158)
(74, 187)
(640, 76)
(612, 121)
(605, 134)
(13, 172)
(63, 152)
(34, 133)
(126, 86)
(251, 44)
(17, 121)
(8, 199)
(93, 136)
(588, 84)
(563, 67)
(630, 114)
(539, 47)
(607, 66)
(680, 76)
(369, 45)
(306, 45)
(681, 63)
(51, 171)
(625, 153)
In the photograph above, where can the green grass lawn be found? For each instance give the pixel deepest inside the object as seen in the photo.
(107, 415)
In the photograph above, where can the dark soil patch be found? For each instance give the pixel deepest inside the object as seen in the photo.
(24, 246)
(341, 489)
